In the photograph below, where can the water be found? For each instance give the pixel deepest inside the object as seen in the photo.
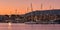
(22, 26)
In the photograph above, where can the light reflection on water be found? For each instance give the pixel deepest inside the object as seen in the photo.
(19, 26)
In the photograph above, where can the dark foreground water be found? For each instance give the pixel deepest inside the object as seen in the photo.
(18, 26)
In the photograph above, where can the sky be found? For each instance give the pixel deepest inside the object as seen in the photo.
(9, 6)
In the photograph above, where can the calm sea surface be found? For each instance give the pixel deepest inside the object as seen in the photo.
(21, 26)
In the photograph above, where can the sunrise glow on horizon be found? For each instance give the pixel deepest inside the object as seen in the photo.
(9, 6)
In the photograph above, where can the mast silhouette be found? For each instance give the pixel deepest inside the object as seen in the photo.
(16, 11)
(27, 9)
(41, 6)
(31, 7)
(50, 7)
(31, 11)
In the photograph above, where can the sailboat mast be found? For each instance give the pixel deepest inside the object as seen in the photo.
(31, 7)
(26, 10)
(31, 10)
(41, 6)
(50, 7)
(16, 11)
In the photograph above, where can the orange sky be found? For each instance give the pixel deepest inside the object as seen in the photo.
(9, 6)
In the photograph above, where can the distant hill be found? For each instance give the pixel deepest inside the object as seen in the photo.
(51, 12)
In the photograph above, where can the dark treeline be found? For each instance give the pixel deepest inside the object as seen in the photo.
(35, 18)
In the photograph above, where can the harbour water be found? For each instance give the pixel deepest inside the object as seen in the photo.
(22, 26)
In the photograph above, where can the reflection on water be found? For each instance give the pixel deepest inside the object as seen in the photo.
(18, 26)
